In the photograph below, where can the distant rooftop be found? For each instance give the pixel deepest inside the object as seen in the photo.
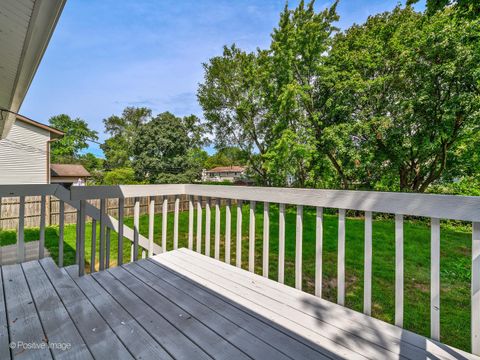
(220, 169)
(68, 170)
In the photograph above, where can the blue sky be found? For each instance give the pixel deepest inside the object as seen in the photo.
(106, 55)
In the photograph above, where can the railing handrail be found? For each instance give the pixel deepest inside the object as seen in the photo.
(452, 207)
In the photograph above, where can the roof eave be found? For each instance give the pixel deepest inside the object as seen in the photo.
(44, 18)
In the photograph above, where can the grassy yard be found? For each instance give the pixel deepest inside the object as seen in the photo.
(455, 263)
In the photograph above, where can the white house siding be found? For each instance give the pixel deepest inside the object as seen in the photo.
(23, 155)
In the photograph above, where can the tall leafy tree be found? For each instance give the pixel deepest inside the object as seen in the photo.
(418, 95)
(161, 151)
(233, 104)
(77, 135)
(299, 88)
(122, 129)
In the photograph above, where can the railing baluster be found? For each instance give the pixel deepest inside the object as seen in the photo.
(239, 234)
(266, 238)
(81, 242)
(101, 250)
(228, 230)
(217, 229)
(281, 243)
(298, 248)
(107, 248)
(151, 225)
(319, 252)
(93, 246)
(77, 237)
(341, 258)
(121, 210)
(175, 222)
(399, 270)
(476, 288)
(164, 223)
(435, 280)
(136, 228)
(367, 272)
(61, 232)
(199, 224)
(190, 222)
(21, 231)
(251, 238)
(208, 217)
(41, 243)
(144, 254)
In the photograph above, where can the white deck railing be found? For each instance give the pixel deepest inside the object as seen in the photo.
(435, 207)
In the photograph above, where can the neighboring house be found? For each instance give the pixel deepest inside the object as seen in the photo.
(25, 152)
(68, 175)
(224, 173)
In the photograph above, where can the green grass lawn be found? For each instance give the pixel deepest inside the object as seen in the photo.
(455, 263)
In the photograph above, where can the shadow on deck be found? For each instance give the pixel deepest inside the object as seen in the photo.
(182, 305)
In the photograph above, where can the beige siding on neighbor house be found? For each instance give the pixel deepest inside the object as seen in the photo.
(23, 155)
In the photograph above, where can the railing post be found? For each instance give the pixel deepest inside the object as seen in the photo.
(136, 228)
(21, 231)
(199, 224)
(43, 214)
(228, 230)
(319, 252)
(81, 241)
(107, 248)
(151, 224)
(121, 210)
(164, 223)
(190, 222)
(367, 272)
(238, 246)
(217, 229)
(61, 232)
(281, 243)
(298, 248)
(341, 258)
(208, 217)
(101, 245)
(399, 270)
(251, 238)
(175, 223)
(476, 288)
(93, 246)
(266, 238)
(435, 279)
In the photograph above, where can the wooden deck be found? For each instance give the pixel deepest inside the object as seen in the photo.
(182, 305)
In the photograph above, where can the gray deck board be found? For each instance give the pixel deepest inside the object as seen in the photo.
(285, 341)
(295, 304)
(136, 339)
(183, 305)
(57, 324)
(161, 330)
(230, 331)
(211, 342)
(99, 337)
(4, 339)
(23, 321)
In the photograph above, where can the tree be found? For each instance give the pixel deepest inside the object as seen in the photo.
(233, 104)
(122, 129)
(469, 7)
(418, 93)
(227, 156)
(161, 151)
(120, 176)
(300, 89)
(76, 138)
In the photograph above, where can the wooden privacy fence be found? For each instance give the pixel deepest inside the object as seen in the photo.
(9, 210)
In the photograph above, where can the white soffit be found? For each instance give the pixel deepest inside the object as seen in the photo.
(25, 30)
